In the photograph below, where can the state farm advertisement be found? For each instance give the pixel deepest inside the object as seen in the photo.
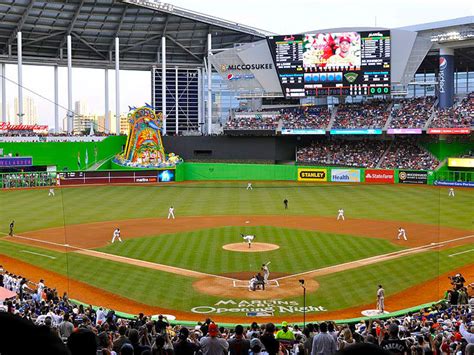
(380, 176)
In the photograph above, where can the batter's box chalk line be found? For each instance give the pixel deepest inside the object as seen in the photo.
(245, 284)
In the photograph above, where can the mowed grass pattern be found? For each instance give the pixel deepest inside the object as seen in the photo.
(299, 251)
(337, 291)
(33, 209)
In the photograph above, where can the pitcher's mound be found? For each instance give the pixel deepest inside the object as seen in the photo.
(256, 247)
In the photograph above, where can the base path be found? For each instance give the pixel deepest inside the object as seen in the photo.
(413, 296)
(93, 235)
(99, 233)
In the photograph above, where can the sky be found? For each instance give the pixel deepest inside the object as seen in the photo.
(278, 16)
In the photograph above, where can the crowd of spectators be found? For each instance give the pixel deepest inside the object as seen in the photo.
(305, 117)
(407, 154)
(253, 122)
(412, 113)
(360, 153)
(372, 114)
(30, 179)
(67, 328)
(460, 115)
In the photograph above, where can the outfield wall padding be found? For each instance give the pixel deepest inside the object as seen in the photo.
(250, 172)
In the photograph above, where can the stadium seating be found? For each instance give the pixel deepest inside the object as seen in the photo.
(373, 114)
(460, 115)
(364, 153)
(412, 113)
(406, 154)
(309, 117)
(437, 329)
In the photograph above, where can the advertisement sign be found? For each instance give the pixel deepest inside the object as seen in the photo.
(356, 131)
(15, 161)
(380, 176)
(412, 177)
(303, 131)
(116, 177)
(310, 174)
(449, 131)
(461, 162)
(454, 183)
(345, 175)
(446, 80)
(404, 131)
(4, 126)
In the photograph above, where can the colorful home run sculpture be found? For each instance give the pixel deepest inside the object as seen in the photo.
(144, 148)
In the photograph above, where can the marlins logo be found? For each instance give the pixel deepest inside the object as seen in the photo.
(351, 77)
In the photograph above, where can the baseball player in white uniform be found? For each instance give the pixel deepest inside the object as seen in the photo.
(249, 186)
(380, 299)
(451, 192)
(51, 192)
(266, 272)
(116, 235)
(249, 239)
(171, 212)
(402, 233)
(340, 214)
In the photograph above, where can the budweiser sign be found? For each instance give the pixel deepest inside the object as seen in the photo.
(380, 176)
(4, 126)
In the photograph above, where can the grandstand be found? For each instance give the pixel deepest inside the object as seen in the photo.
(271, 151)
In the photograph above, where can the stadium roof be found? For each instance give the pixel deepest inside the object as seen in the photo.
(93, 25)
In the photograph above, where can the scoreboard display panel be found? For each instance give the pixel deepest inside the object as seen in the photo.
(338, 63)
(287, 53)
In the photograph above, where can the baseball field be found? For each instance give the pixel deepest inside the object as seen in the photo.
(198, 266)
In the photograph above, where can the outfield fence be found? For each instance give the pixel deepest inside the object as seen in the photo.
(239, 172)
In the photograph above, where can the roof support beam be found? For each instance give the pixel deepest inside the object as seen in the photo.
(73, 22)
(89, 46)
(20, 24)
(184, 48)
(152, 38)
(42, 38)
(119, 27)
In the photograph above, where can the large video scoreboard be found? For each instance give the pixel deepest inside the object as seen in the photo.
(338, 63)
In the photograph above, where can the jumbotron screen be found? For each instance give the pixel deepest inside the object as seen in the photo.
(337, 63)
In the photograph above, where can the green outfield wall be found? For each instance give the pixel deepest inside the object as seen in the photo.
(224, 171)
(443, 149)
(64, 155)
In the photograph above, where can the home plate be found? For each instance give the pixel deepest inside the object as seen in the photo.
(247, 221)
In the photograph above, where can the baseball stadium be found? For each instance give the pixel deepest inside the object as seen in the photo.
(273, 178)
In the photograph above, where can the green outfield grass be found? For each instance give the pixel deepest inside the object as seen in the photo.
(299, 251)
(201, 250)
(33, 209)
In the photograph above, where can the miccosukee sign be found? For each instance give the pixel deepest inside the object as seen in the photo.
(412, 177)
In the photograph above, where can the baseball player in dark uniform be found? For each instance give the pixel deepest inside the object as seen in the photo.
(285, 202)
(12, 225)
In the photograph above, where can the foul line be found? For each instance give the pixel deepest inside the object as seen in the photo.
(32, 252)
(137, 262)
(462, 252)
(313, 273)
(372, 260)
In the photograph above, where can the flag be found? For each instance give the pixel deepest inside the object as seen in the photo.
(86, 160)
(79, 160)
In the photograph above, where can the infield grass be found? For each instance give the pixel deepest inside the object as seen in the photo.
(300, 250)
